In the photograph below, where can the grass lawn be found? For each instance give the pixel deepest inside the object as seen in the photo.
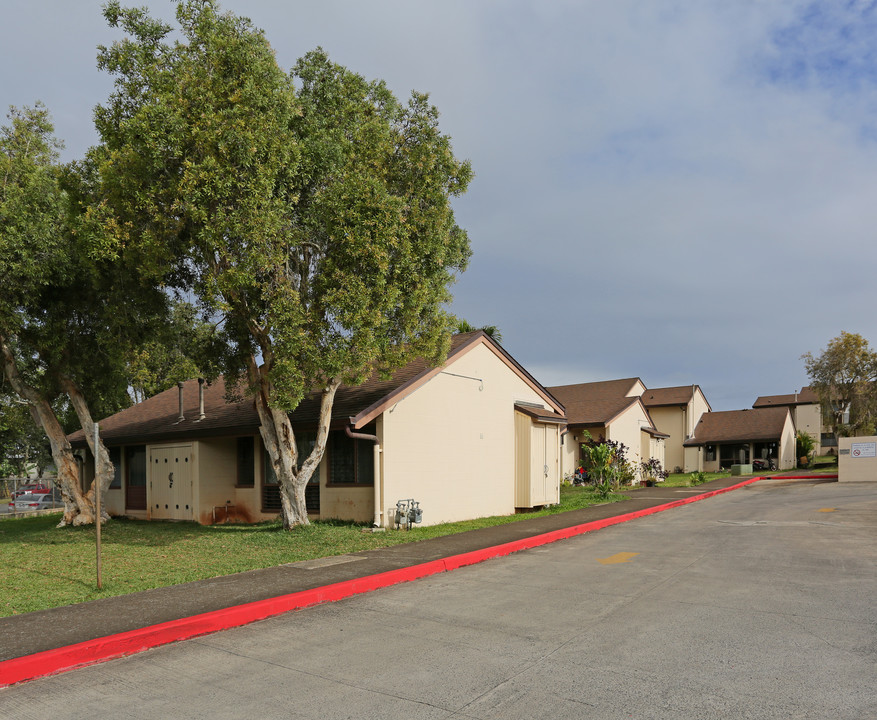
(45, 566)
(684, 479)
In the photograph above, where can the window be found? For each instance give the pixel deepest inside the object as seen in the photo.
(351, 462)
(246, 462)
(135, 477)
(116, 459)
(270, 485)
(710, 453)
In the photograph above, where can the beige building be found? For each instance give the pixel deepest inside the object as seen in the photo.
(675, 412)
(610, 410)
(736, 437)
(478, 436)
(806, 414)
(857, 459)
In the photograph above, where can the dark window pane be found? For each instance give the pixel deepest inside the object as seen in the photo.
(246, 456)
(116, 459)
(342, 462)
(137, 466)
(365, 466)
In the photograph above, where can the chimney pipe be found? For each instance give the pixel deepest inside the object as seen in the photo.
(201, 414)
(181, 416)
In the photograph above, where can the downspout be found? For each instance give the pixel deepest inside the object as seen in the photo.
(562, 439)
(378, 478)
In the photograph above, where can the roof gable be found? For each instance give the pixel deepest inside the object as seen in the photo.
(596, 403)
(740, 426)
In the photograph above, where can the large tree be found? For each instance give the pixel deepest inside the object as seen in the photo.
(70, 310)
(844, 376)
(316, 223)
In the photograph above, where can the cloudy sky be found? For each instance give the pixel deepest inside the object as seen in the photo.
(680, 191)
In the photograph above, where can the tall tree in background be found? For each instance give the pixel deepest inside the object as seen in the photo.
(23, 445)
(68, 318)
(844, 376)
(464, 326)
(180, 349)
(316, 224)
(32, 239)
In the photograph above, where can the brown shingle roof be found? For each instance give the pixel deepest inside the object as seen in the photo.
(680, 395)
(155, 419)
(739, 426)
(805, 397)
(595, 403)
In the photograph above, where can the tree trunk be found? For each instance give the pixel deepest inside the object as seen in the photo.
(77, 511)
(279, 439)
(105, 469)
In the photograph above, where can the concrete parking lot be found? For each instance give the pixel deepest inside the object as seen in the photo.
(761, 603)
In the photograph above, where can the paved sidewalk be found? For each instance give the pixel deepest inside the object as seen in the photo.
(49, 629)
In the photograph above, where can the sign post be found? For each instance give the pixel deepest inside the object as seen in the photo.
(97, 502)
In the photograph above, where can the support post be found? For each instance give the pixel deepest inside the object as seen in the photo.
(97, 514)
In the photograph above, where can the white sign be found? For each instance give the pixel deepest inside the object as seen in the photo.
(862, 450)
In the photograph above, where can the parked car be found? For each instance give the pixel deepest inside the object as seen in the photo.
(30, 488)
(38, 501)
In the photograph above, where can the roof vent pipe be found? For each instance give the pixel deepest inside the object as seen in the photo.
(181, 416)
(201, 414)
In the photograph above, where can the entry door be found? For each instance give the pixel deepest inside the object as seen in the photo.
(170, 482)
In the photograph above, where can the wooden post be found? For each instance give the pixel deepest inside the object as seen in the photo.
(97, 502)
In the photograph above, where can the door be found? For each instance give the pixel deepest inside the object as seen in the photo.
(135, 477)
(170, 482)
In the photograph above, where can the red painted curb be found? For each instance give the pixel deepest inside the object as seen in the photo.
(90, 652)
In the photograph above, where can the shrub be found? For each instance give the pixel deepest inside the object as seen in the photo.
(698, 478)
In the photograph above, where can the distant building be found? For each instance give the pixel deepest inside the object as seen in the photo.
(806, 414)
(675, 411)
(737, 437)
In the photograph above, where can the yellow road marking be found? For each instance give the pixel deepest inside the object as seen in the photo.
(826, 509)
(622, 557)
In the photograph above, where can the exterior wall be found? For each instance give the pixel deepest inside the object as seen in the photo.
(450, 445)
(671, 420)
(693, 459)
(349, 503)
(217, 478)
(637, 390)
(787, 459)
(809, 419)
(857, 464)
(627, 429)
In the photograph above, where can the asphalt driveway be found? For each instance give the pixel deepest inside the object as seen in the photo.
(759, 603)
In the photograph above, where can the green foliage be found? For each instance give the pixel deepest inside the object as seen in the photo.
(697, 478)
(22, 444)
(844, 376)
(652, 472)
(317, 224)
(183, 348)
(314, 225)
(804, 447)
(463, 326)
(606, 462)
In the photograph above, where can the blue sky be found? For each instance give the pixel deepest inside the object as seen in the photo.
(683, 192)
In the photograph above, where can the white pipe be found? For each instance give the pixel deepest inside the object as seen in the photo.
(378, 485)
(378, 479)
